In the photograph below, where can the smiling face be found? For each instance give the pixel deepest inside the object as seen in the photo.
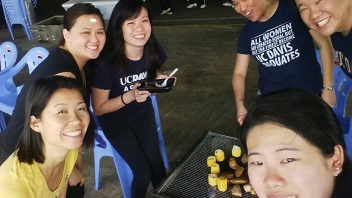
(86, 38)
(64, 121)
(136, 32)
(255, 10)
(327, 16)
(281, 164)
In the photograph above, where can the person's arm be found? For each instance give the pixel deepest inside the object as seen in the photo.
(238, 84)
(327, 61)
(77, 175)
(64, 191)
(102, 104)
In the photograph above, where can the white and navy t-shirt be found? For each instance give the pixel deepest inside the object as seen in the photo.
(110, 77)
(284, 49)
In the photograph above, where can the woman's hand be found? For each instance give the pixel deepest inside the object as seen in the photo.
(329, 97)
(163, 76)
(76, 177)
(241, 112)
(140, 95)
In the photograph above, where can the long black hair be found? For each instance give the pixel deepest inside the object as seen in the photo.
(114, 49)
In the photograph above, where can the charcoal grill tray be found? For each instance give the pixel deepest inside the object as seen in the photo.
(190, 178)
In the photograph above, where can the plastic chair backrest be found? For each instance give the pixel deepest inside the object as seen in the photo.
(31, 59)
(104, 148)
(15, 12)
(35, 56)
(341, 101)
(8, 89)
(339, 80)
(8, 56)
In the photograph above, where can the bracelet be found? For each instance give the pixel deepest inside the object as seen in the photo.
(81, 153)
(123, 102)
(329, 88)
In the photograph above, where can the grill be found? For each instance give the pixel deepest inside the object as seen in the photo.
(190, 178)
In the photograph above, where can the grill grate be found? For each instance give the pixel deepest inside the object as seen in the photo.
(190, 179)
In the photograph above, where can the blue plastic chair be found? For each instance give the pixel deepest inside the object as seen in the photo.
(342, 86)
(348, 140)
(8, 56)
(15, 12)
(340, 107)
(339, 80)
(160, 132)
(339, 75)
(103, 148)
(2, 122)
(8, 89)
(343, 91)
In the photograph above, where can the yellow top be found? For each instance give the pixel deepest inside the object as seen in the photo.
(24, 180)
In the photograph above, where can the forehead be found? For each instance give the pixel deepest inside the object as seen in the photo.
(247, 1)
(270, 138)
(65, 95)
(270, 132)
(305, 2)
(88, 20)
(143, 13)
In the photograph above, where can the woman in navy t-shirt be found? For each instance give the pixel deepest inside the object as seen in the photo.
(125, 113)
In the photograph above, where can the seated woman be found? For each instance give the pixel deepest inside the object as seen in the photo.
(295, 147)
(56, 125)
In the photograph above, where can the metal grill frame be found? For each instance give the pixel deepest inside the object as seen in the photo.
(190, 178)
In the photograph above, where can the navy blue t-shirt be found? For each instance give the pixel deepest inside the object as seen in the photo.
(108, 77)
(284, 49)
(343, 51)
